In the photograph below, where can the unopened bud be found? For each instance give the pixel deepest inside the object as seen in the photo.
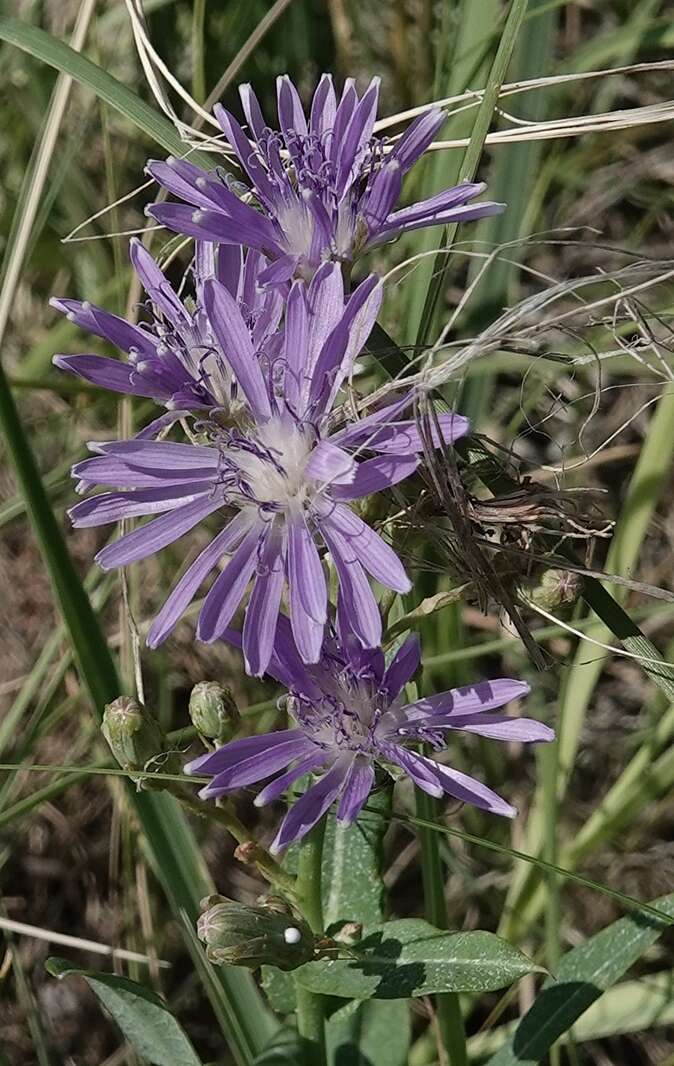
(557, 588)
(213, 711)
(270, 934)
(135, 739)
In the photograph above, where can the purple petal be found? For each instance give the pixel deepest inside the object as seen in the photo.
(330, 465)
(290, 110)
(263, 763)
(157, 286)
(234, 752)
(227, 590)
(246, 153)
(345, 342)
(356, 789)
(345, 109)
(417, 137)
(468, 790)
(468, 213)
(308, 591)
(383, 195)
(104, 372)
(323, 107)
(404, 665)
(356, 600)
(305, 570)
(186, 589)
(403, 437)
(232, 334)
(252, 111)
(365, 429)
(207, 225)
(415, 767)
(280, 271)
(157, 534)
(310, 808)
(110, 327)
(374, 475)
(114, 506)
(357, 135)
(368, 547)
(275, 789)
(470, 699)
(442, 202)
(495, 726)
(229, 267)
(259, 627)
(296, 342)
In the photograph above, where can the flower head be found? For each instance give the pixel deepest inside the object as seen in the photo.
(326, 188)
(175, 358)
(280, 477)
(349, 717)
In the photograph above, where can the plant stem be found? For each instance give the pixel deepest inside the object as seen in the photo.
(451, 1031)
(198, 65)
(270, 869)
(310, 1007)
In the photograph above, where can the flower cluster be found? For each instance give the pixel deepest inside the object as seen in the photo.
(250, 369)
(349, 717)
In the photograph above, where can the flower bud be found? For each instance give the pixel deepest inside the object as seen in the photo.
(135, 739)
(213, 711)
(270, 934)
(557, 588)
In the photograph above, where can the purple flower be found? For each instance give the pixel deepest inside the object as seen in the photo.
(281, 478)
(326, 188)
(350, 716)
(175, 358)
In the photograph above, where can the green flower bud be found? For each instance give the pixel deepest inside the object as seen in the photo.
(270, 934)
(135, 739)
(557, 588)
(213, 711)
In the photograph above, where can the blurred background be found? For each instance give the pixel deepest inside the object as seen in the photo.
(71, 860)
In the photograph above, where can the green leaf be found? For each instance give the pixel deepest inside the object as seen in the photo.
(351, 874)
(140, 1013)
(57, 54)
(427, 607)
(630, 1007)
(582, 976)
(409, 957)
(376, 1034)
(279, 989)
(286, 1048)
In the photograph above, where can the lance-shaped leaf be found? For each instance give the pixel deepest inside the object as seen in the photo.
(142, 1015)
(409, 957)
(582, 976)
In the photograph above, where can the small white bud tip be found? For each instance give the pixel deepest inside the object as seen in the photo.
(171, 161)
(71, 316)
(86, 306)
(201, 183)
(291, 935)
(197, 217)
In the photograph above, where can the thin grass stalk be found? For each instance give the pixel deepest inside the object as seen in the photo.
(472, 157)
(199, 51)
(644, 491)
(451, 1031)
(174, 852)
(310, 1006)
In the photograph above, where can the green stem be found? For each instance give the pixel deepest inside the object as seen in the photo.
(198, 59)
(311, 1007)
(270, 869)
(451, 1031)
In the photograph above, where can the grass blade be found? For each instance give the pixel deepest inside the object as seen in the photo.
(57, 54)
(174, 852)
